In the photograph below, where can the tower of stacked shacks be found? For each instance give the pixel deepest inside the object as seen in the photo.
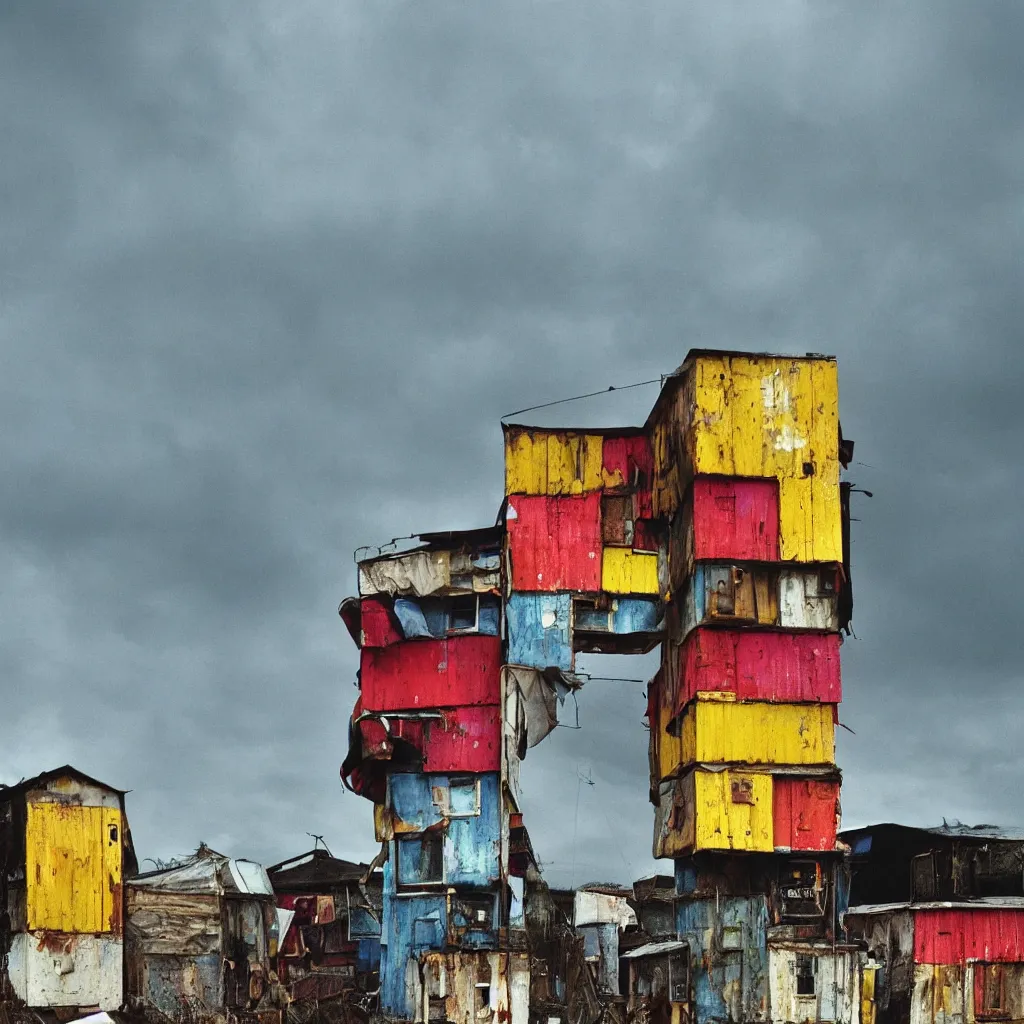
(717, 530)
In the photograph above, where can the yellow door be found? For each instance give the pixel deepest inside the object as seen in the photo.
(73, 868)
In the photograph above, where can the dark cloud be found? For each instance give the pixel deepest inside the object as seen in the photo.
(269, 276)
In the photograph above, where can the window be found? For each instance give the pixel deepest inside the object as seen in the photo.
(924, 883)
(805, 975)
(462, 614)
(989, 992)
(679, 978)
(420, 860)
(463, 798)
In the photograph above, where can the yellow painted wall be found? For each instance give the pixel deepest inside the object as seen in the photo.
(759, 416)
(73, 867)
(552, 462)
(726, 731)
(723, 824)
(624, 571)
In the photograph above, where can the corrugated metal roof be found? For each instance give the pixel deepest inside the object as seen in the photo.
(981, 903)
(951, 830)
(655, 949)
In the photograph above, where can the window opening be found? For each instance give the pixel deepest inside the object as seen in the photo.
(462, 614)
(805, 975)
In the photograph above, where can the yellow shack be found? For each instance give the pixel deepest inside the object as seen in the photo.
(65, 849)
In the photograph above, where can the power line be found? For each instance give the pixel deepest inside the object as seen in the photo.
(591, 394)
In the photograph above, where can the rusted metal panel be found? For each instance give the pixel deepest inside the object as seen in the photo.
(760, 596)
(757, 665)
(955, 936)
(555, 543)
(73, 867)
(539, 630)
(539, 461)
(50, 969)
(628, 464)
(939, 994)
(178, 986)
(718, 730)
(733, 520)
(811, 983)
(739, 415)
(490, 988)
(805, 812)
(455, 672)
(727, 936)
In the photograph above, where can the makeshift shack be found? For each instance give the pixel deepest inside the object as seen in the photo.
(199, 937)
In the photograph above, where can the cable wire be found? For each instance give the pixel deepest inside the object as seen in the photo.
(591, 394)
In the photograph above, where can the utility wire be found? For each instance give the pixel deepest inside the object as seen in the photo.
(592, 394)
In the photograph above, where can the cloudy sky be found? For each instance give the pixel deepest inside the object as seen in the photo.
(270, 273)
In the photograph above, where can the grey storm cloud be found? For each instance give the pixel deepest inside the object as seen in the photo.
(271, 273)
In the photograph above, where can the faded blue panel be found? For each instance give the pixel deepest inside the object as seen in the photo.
(411, 619)
(490, 615)
(362, 924)
(472, 848)
(686, 877)
(419, 859)
(532, 643)
(368, 955)
(602, 941)
(466, 931)
(636, 615)
(729, 956)
(489, 563)
(843, 879)
(412, 924)
(591, 939)
(409, 796)
(173, 984)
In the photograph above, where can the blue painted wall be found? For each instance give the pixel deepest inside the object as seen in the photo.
(630, 615)
(472, 843)
(529, 641)
(412, 925)
(729, 956)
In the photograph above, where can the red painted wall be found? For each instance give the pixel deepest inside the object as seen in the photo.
(420, 674)
(736, 520)
(465, 740)
(756, 665)
(555, 543)
(956, 936)
(379, 629)
(804, 813)
(626, 455)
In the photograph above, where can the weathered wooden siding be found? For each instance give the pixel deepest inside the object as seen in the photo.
(458, 671)
(762, 596)
(729, 959)
(539, 630)
(728, 731)
(489, 988)
(624, 571)
(955, 936)
(555, 543)
(378, 624)
(733, 520)
(755, 665)
(805, 813)
(464, 739)
(757, 416)
(541, 461)
(629, 465)
(836, 995)
(73, 867)
(706, 810)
